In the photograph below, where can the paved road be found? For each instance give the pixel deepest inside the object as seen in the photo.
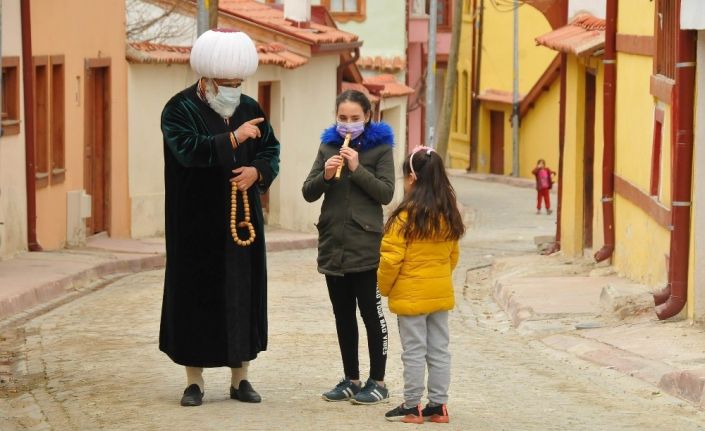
(93, 364)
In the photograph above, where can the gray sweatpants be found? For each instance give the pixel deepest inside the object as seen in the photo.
(424, 340)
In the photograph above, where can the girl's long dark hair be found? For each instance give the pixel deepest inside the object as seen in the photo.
(431, 206)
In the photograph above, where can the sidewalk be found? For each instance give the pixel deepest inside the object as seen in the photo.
(585, 310)
(42, 278)
(502, 179)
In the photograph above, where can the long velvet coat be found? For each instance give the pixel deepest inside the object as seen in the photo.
(214, 311)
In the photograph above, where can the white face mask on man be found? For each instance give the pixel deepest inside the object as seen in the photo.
(225, 100)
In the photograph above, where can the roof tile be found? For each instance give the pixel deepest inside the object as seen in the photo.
(387, 86)
(584, 35)
(274, 18)
(382, 64)
(269, 53)
(498, 96)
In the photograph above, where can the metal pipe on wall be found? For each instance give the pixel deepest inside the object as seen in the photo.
(610, 100)
(681, 175)
(28, 88)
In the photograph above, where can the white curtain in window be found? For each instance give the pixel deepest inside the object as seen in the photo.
(418, 7)
(336, 6)
(351, 6)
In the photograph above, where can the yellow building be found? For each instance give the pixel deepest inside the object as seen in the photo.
(627, 127)
(492, 48)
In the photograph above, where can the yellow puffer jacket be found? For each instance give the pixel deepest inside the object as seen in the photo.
(416, 276)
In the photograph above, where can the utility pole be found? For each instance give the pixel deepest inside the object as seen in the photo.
(207, 17)
(515, 95)
(431, 75)
(450, 84)
(478, 10)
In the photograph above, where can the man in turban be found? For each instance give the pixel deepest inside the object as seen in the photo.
(214, 310)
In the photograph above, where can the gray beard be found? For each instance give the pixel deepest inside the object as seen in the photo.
(225, 110)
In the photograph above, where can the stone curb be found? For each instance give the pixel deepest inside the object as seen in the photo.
(51, 290)
(688, 385)
(516, 312)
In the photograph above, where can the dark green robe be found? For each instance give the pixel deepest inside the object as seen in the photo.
(214, 311)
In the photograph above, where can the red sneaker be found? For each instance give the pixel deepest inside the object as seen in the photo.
(437, 414)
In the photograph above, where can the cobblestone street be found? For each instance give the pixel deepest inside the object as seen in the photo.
(94, 364)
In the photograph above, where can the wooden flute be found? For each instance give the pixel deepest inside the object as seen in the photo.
(345, 145)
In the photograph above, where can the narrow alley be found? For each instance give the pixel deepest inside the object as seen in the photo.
(94, 363)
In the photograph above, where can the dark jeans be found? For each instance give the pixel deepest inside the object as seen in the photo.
(346, 294)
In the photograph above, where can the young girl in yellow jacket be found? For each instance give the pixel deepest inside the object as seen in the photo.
(418, 254)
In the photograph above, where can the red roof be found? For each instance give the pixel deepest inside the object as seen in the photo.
(381, 86)
(273, 18)
(498, 96)
(147, 52)
(584, 35)
(387, 86)
(382, 64)
(269, 53)
(361, 88)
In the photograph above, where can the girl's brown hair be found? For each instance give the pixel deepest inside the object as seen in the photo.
(431, 206)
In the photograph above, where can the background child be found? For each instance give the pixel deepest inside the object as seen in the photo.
(544, 184)
(419, 252)
(349, 234)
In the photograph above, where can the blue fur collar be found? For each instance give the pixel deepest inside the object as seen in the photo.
(375, 134)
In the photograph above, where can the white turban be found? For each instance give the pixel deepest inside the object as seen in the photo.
(224, 54)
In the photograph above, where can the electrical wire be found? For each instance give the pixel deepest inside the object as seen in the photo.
(506, 5)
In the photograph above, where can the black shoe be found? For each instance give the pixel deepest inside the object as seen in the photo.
(372, 393)
(245, 393)
(411, 415)
(343, 391)
(192, 396)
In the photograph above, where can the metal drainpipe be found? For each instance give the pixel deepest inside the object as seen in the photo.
(610, 95)
(682, 174)
(27, 78)
(339, 79)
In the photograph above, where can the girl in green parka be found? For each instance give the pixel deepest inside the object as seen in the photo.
(349, 235)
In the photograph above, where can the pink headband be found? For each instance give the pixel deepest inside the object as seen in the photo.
(411, 157)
